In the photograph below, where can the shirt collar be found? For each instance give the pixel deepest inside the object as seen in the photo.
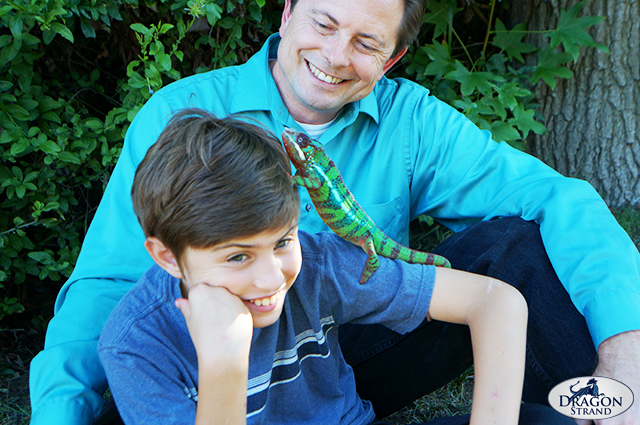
(255, 75)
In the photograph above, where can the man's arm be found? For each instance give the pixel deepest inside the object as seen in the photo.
(497, 317)
(221, 328)
(461, 176)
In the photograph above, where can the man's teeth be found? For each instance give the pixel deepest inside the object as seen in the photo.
(265, 301)
(322, 76)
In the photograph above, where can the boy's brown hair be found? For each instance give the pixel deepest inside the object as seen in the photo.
(208, 180)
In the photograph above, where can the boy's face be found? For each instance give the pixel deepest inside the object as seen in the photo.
(259, 270)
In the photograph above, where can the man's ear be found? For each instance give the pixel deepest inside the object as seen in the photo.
(392, 61)
(286, 16)
(163, 256)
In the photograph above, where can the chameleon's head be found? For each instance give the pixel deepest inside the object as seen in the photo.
(299, 146)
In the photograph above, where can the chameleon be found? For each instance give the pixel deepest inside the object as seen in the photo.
(338, 208)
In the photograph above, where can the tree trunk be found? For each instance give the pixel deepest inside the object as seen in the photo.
(592, 119)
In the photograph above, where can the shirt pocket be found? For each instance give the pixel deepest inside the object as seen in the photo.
(391, 218)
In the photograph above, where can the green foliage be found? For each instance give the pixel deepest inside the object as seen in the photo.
(491, 82)
(74, 73)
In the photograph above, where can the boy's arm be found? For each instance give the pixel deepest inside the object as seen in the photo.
(223, 352)
(496, 314)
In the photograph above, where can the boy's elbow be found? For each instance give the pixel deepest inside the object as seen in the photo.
(512, 301)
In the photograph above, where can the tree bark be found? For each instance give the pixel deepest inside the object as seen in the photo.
(592, 119)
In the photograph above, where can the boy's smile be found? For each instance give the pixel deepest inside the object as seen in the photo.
(258, 269)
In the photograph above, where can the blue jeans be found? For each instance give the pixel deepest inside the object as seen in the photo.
(530, 414)
(392, 370)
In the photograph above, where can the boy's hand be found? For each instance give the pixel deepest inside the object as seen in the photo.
(219, 323)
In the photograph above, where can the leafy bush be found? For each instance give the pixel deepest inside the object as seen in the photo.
(74, 73)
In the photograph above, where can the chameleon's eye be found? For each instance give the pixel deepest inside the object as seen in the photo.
(303, 140)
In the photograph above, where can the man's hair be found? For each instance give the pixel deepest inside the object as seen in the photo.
(409, 26)
(208, 180)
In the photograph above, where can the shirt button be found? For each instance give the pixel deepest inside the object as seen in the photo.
(309, 207)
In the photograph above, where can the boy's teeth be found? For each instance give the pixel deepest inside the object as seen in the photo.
(265, 301)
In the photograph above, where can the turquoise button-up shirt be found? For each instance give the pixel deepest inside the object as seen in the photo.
(402, 153)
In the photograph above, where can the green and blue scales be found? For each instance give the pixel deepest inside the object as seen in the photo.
(338, 208)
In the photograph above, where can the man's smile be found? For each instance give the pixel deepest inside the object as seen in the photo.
(322, 76)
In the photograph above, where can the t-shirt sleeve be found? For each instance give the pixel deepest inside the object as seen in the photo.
(397, 295)
(149, 361)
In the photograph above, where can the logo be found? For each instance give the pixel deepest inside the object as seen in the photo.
(591, 397)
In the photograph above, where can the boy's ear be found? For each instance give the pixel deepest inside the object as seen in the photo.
(163, 256)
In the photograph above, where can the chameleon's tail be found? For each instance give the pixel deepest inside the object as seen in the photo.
(392, 249)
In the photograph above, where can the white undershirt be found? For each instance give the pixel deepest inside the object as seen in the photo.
(315, 130)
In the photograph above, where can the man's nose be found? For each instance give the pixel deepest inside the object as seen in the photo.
(336, 51)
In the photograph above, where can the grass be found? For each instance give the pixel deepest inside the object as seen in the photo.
(20, 341)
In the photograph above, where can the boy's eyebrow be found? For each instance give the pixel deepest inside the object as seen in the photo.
(241, 245)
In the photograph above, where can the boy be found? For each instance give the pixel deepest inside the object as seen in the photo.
(219, 215)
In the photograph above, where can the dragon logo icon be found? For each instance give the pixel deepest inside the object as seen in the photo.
(591, 389)
(600, 398)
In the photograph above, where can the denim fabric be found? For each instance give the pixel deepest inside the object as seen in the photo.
(530, 414)
(393, 370)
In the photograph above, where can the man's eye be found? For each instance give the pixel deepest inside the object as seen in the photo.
(366, 47)
(321, 25)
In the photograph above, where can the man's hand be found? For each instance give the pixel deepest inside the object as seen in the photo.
(619, 358)
(219, 323)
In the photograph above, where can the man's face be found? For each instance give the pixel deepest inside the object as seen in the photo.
(259, 270)
(333, 52)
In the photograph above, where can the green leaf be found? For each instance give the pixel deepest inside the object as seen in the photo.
(51, 116)
(69, 157)
(94, 123)
(164, 28)
(50, 147)
(523, 118)
(5, 9)
(441, 59)
(19, 147)
(20, 191)
(5, 85)
(41, 257)
(440, 14)
(139, 28)
(8, 53)
(472, 81)
(571, 31)
(511, 41)
(213, 13)
(87, 28)
(4, 40)
(47, 103)
(164, 60)
(62, 30)
(549, 67)
(503, 131)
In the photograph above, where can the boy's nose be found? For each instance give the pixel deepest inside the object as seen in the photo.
(270, 276)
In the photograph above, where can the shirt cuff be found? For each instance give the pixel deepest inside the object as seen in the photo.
(612, 312)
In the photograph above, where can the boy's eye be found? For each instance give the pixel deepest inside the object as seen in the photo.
(283, 243)
(238, 258)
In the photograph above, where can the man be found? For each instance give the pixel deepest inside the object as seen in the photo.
(402, 153)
